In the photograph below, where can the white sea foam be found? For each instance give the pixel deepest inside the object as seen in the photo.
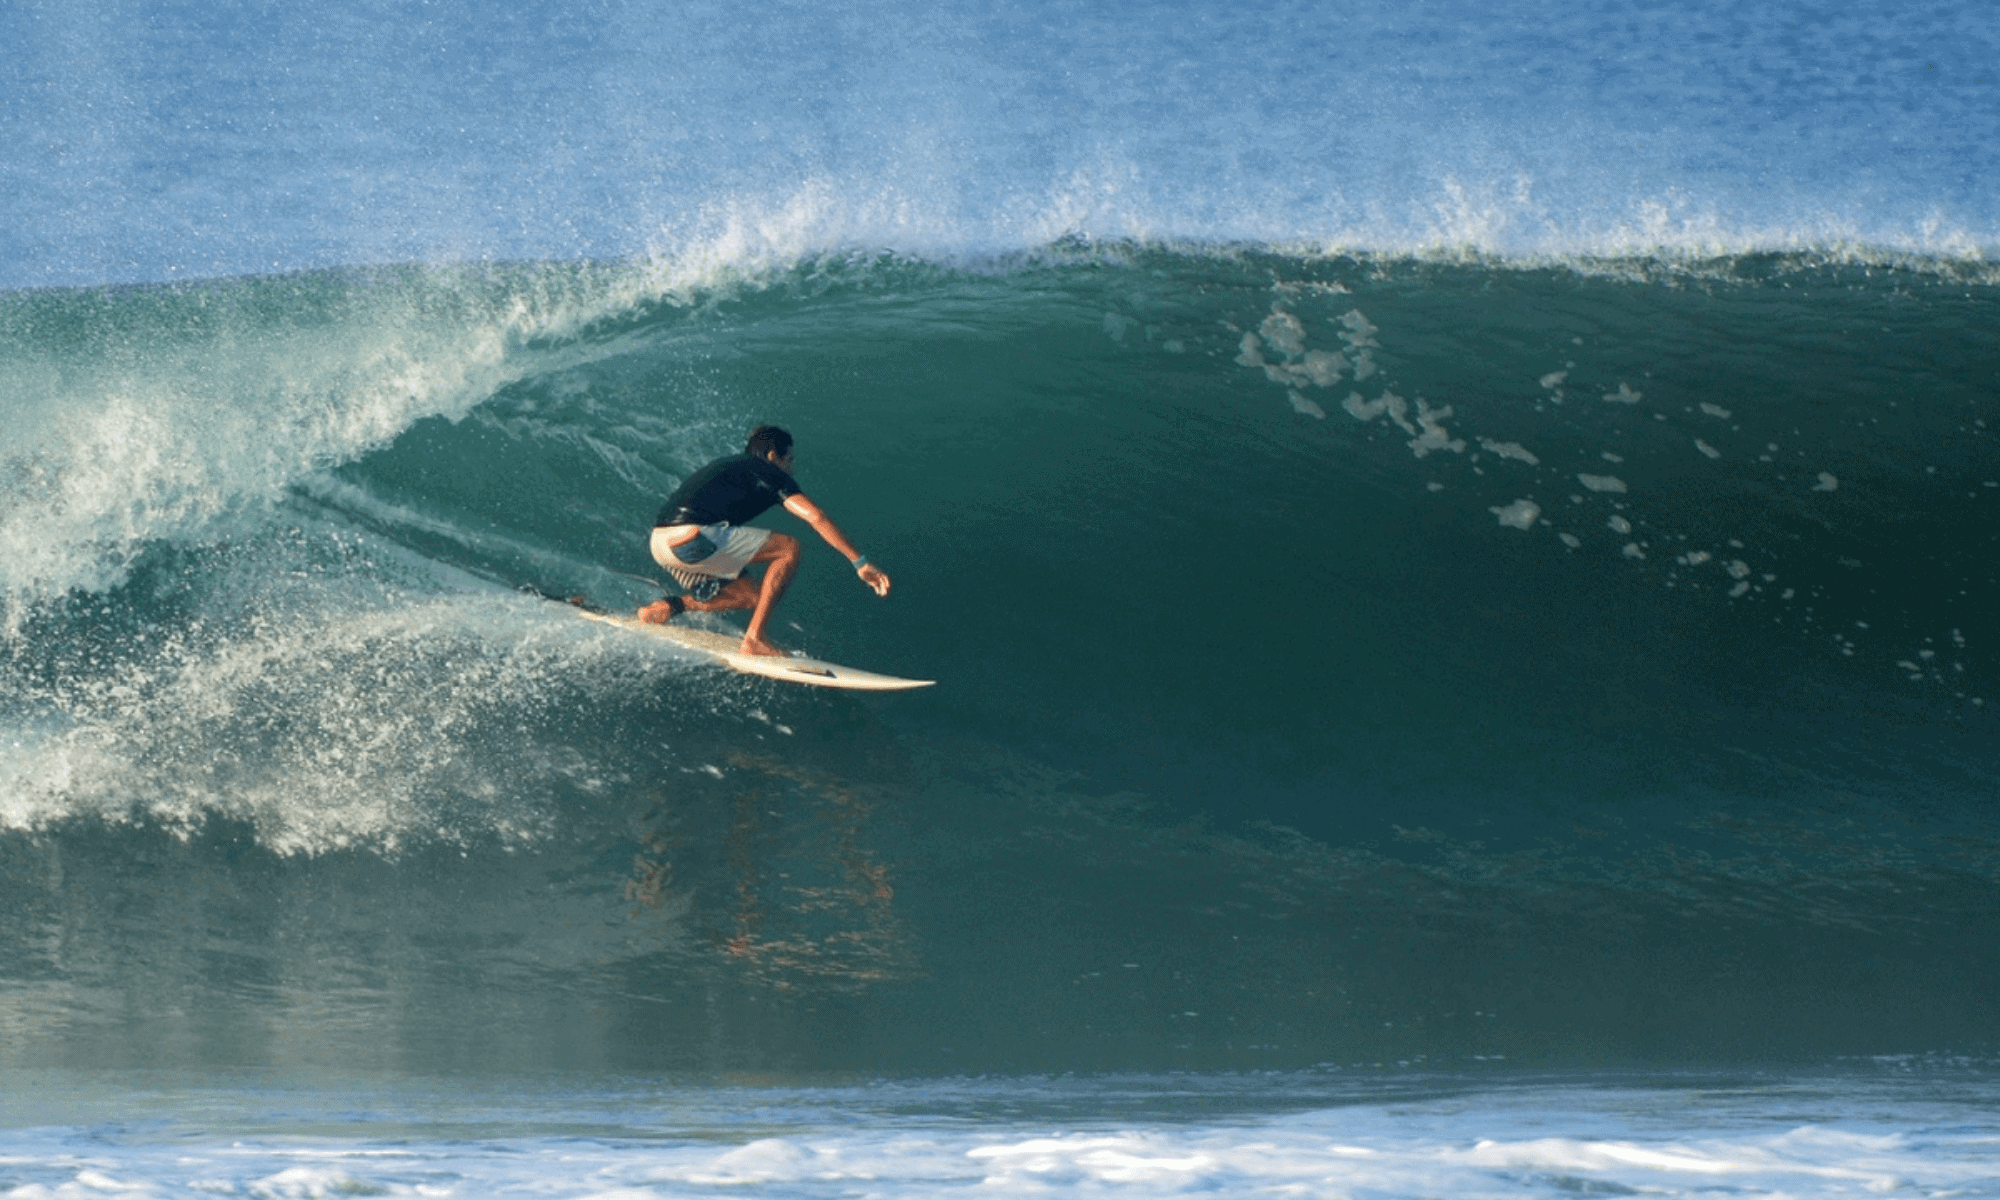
(360, 726)
(1513, 450)
(1529, 1141)
(105, 456)
(1434, 436)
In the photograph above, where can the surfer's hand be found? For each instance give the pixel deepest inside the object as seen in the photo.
(876, 578)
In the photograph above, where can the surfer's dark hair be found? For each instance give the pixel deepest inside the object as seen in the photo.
(769, 438)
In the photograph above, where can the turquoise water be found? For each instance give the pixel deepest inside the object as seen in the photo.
(1456, 543)
(1598, 679)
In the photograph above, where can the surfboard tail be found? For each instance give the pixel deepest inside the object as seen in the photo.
(728, 651)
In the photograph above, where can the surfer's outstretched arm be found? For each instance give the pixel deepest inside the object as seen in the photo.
(815, 516)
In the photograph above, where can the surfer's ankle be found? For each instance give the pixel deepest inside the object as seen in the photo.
(661, 611)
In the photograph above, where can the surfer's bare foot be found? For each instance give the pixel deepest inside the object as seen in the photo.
(760, 646)
(657, 613)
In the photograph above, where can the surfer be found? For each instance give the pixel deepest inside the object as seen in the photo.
(702, 537)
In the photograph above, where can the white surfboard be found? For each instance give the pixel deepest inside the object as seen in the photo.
(809, 671)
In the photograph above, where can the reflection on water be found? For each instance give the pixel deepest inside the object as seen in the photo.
(781, 883)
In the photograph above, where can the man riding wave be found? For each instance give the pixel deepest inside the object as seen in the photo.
(702, 537)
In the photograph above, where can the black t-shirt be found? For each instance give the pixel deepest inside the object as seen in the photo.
(736, 489)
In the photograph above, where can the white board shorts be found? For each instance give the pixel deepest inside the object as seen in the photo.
(714, 556)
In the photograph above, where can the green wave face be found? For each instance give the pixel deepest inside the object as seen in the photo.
(1340, 660)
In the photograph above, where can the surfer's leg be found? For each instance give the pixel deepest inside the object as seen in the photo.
(737, 593)
(780, 556)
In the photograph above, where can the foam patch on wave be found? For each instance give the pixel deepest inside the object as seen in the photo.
(367, 727)
(158, 414)
(1659, 505)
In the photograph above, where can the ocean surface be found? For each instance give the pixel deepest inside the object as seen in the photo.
(1457, 540)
